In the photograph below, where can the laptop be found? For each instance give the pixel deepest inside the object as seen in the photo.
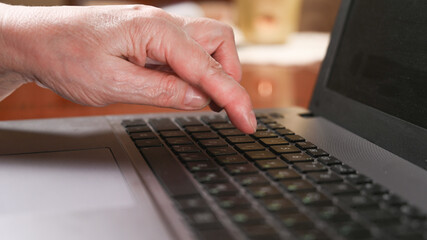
(352, 166)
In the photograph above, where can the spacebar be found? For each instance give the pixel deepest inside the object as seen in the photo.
(169, 172)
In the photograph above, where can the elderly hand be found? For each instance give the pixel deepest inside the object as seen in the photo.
(103, 55)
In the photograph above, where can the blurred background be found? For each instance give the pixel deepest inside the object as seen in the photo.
(281, 44)
(317, 15)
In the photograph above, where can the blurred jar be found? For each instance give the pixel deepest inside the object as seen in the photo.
(268, 21)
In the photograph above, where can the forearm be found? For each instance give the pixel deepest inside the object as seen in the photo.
(10, 78)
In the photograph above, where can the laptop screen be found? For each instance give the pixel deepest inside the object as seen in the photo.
(382, 58)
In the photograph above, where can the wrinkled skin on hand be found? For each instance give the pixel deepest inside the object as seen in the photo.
(102, 55)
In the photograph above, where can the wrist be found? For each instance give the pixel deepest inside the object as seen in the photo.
(10, 77)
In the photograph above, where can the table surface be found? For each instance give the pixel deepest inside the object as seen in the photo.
(269, 86)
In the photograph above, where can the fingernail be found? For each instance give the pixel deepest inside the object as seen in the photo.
(195, 99)
(252, 120)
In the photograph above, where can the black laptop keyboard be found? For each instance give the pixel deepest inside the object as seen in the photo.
(270, 185)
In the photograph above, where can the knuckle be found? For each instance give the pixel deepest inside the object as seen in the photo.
(228, 31)
(224, 28)
(214, 67)
(166, 95)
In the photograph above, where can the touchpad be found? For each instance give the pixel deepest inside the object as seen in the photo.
(62, 181)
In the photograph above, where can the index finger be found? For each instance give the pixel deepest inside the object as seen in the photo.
(218, 40)
(193, 64)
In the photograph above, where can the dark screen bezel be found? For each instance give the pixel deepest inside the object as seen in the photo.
(400, 137)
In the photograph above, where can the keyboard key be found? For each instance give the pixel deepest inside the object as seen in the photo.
(230, 159)
(237, 169)
(305, 145)
(374, 189)
(265, 134)
(296, 157)
(317, 152)
(185, 149)
(283, 174)
(307, 167)
(136, 129)
(297, 185)
(231, 132)
(413, 212)
(170, 134)
(405, 233)
(245, 147)
(295, 221)
(275, 126)
(214, 119)
(240, 139)
(332, 214)
(271, 164)
(210, 177)
(219, 151)
(133, 122)
(285, 149)
(261, 127)
(267, 120)
(260, 155)
(144, 143)
(163, 124)
(259, 232)
(352, 230)
(282, 205)
(329, 161)
(357, 201)
(294, 138)
(204, 135)
(202, 219)
(212, 143)
(284, 132)
(264, 191)
(219, 126)
(251, 179)
(393, 200)
(213, 234)
(232, 202)
(143, 135)
(314, 199)
(221, 189)
(191, 157)
(343, 169)
(191, 203)
(189, 121)
(196, 129)
(273, 141)
(312, 234)
(358, 179)
(178, 141)
(324, 177)
(246, 216)
(379, 216)
(339, 189)
(169, 171)
(261, 115)
(201, 166)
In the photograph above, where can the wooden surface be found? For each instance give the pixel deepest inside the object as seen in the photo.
(268, 86)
